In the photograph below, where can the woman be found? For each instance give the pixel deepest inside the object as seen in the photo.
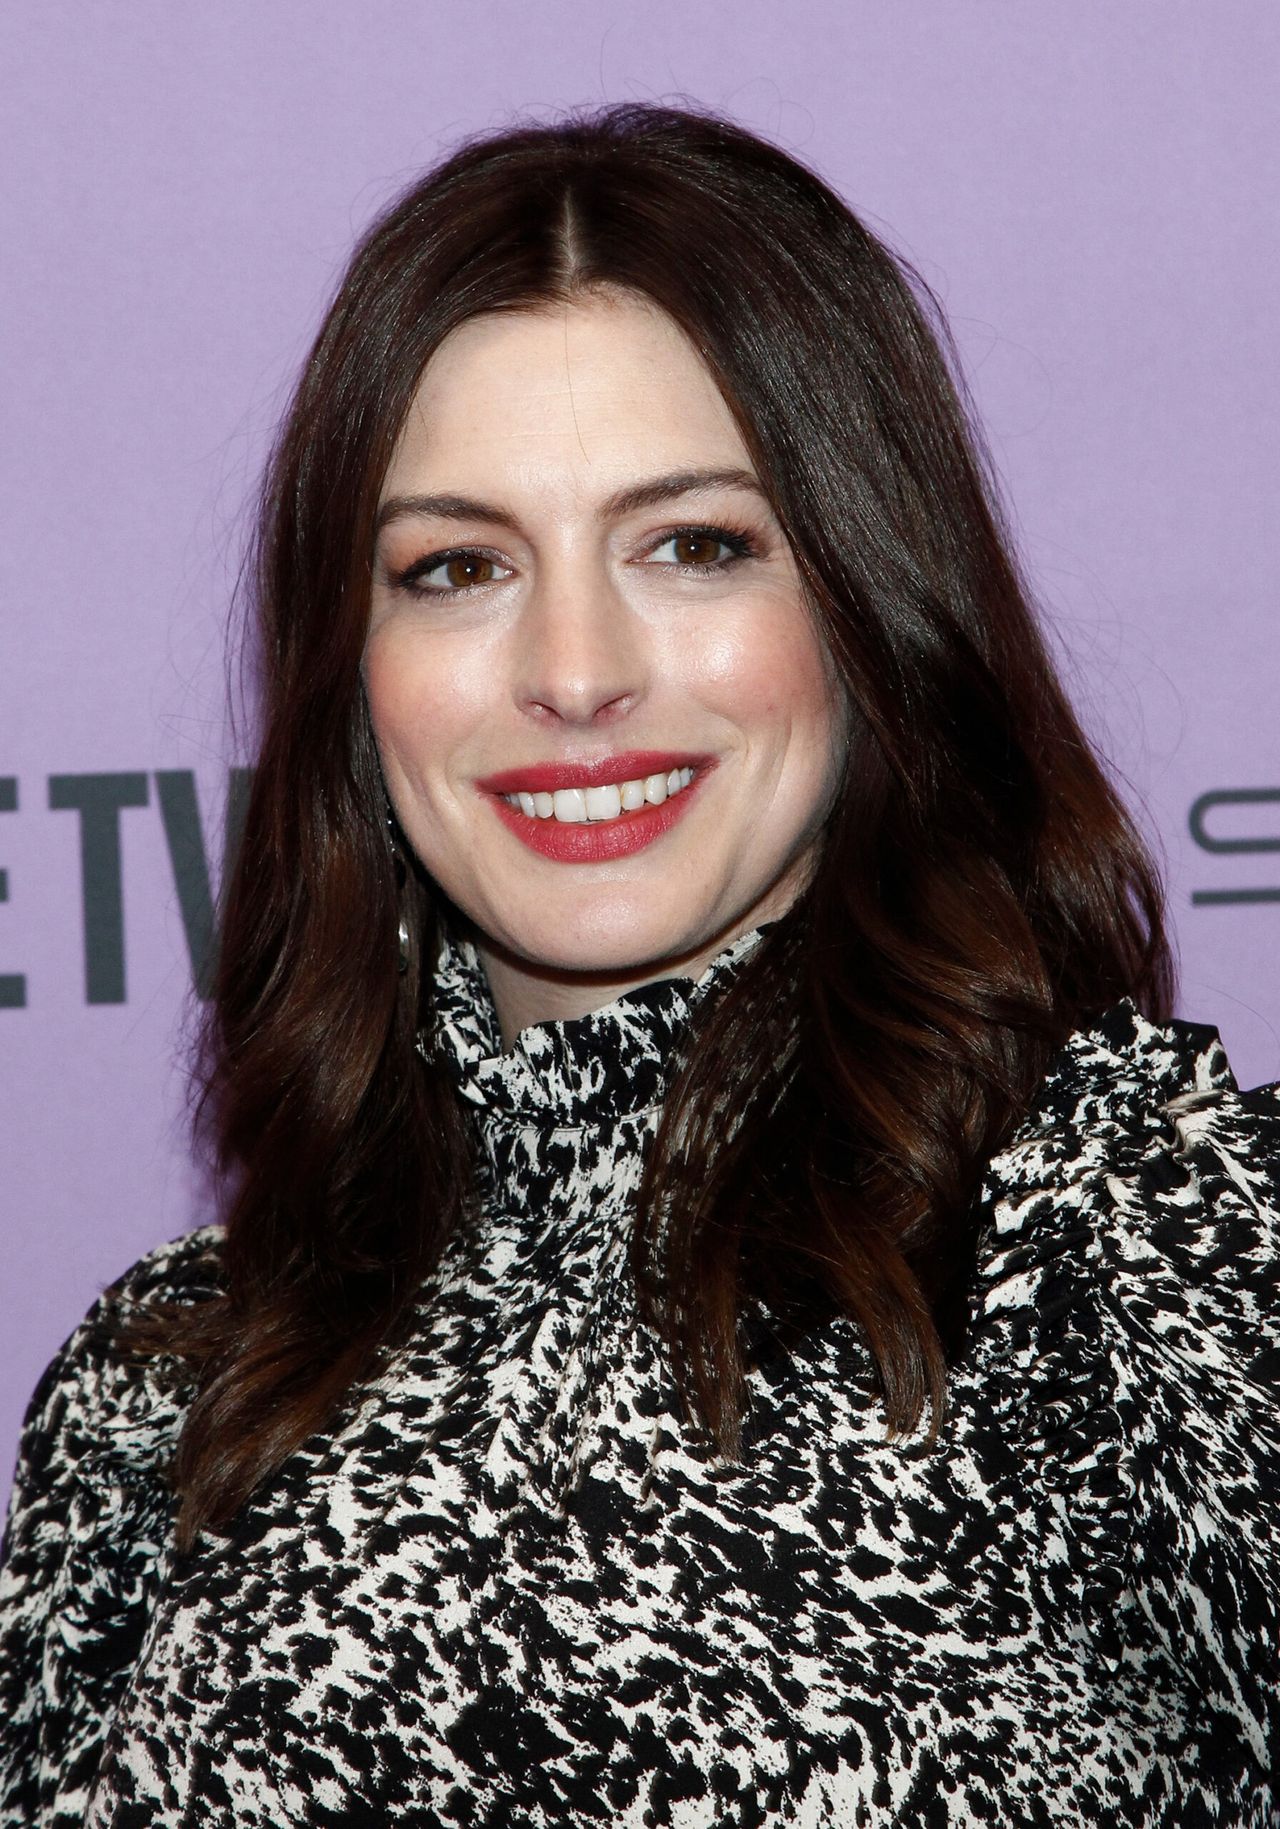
(737, 1304)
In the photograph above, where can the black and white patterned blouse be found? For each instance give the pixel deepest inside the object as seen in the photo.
(509, 1588)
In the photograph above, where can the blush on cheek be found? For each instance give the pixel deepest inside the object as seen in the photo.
(403, 694)
(379, 677)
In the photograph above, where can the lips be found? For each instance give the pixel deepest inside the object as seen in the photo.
(546, 777)
(602, 841)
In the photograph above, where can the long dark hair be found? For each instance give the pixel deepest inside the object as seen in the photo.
(980, 890)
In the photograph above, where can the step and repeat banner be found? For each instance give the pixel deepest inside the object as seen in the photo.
(1089, 189)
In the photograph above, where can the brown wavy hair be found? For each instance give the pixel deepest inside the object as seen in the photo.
(980, 889)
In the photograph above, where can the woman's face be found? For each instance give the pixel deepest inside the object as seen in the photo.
(602, 708)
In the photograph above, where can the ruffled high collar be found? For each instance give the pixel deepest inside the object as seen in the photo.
(583, 1070)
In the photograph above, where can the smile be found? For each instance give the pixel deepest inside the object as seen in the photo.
(595, 812)
(576, 806)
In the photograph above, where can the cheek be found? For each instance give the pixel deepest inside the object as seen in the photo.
(771, 678)
(422, 701)
(793, 714)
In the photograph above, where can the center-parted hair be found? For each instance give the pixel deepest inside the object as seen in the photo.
(978, 893)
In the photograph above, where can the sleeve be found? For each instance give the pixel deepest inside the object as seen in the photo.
(88, 1515)
(1191, 1308)
(1129, 1307)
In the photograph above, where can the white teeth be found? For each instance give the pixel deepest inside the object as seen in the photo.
(576, 806)
(571, 806)
(604, 802)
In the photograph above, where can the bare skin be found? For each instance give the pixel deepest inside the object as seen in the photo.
(564, 624)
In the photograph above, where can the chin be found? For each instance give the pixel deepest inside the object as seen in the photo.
(614, 942)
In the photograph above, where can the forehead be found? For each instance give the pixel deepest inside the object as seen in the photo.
(587, 395)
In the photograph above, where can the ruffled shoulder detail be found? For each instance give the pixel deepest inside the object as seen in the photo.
(89, 1517)
(123, 1416)
(1130, 1300)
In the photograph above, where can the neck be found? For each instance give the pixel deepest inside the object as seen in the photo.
(525, 992)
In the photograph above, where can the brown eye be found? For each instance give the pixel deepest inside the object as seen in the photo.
(702, 549)
(447, 572)
(468, 568)
(696, 548)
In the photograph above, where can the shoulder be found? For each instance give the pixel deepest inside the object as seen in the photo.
(1141, 1167)
(96, 1400)
(88, 1515)
(183, 1270)
(1130, 1286)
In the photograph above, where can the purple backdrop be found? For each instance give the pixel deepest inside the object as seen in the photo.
(1090, 188)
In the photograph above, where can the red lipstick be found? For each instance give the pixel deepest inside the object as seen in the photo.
(595, 841)
(630, 765)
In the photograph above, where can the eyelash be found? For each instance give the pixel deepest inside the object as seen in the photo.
(740, 543)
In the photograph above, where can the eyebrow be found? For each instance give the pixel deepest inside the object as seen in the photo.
(648, 494)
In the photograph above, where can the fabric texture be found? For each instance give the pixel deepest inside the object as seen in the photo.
(511, 1587)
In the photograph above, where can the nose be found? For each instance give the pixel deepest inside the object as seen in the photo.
(580, 655)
